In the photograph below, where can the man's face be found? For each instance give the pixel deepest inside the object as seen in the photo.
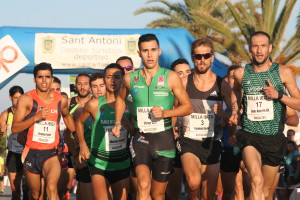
(260, 49)
(202, 65)
(149, 53)
(55, 87)
(43, 80)
(182, 70)
(113, 79)
(98, 87)
(83, 86)
(14, 98)
(127, 65)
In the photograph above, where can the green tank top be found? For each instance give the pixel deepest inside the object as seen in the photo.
(262, 115)
(145, 97)
(108, 152)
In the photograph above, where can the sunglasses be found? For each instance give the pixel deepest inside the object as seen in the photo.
(205, 56)
(128, 68)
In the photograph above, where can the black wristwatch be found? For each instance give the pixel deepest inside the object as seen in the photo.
(280, 95)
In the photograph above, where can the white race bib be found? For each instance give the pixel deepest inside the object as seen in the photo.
(44, 132)
(147, 122)
(259, 108)
(113, 143)
(201, 125)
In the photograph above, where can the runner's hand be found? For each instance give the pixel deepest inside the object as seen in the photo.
(233, 120)
(157, 112)
(116, 130)
(84, 153)
(78, 164)
(270, 91)
(218, 110)
(42, 114)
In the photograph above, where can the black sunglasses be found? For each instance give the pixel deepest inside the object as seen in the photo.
(199, 56)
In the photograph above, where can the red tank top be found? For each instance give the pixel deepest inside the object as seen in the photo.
(44, 134)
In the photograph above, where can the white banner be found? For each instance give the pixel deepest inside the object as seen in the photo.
(11, 58)
(68, 51)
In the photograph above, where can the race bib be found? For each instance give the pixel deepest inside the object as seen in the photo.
(113, 143)
(201, 125)
(44, 132)
(147, 123)
(259, 108)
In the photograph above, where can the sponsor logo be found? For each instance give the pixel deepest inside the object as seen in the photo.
(214, 93)
(131, 46)
(161, 81)
(48, 44)
(136, 78)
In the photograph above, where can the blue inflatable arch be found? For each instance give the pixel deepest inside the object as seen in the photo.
(174, 42)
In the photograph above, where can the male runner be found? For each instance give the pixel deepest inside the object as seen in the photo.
(200, 147)
(126, 63)
(76, 104)
(97, 84)
(109, 160)
(13, 160)
(263, 83)
(153, 90)
(38, 114)
(182, 67)
(173, 191)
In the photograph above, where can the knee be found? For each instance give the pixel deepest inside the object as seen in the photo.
(34, 195)
(144, 185)
(51, 188)
(257, 181)
(194, 184)
(157, 195)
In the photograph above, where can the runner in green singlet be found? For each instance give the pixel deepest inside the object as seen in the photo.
(153, 90)
(261, 85)
(108, 158)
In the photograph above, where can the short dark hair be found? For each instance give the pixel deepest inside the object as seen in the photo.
(14, 89)
(292, 131)
(179, 61)
(42, 66)
(147, 38)
(205, 41)
(63, 93)
(82, 74)
(125, 58)
(232, 67)
(56, 80)
(116, 66)
(95, 76)
(259, 33)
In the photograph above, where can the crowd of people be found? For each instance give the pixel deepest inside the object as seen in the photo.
(153, 132)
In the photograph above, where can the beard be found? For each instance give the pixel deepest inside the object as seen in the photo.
(201, 71)
(83, 95)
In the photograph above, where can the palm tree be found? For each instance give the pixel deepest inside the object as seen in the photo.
(230, 25)
(181, 14)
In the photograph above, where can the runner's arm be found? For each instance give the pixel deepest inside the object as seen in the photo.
(89, 107)
(292, 117)
(236, 96)
(23, 107)
(184, 105)
(68, 119)
(289, 80)
(3, 121)
(120, 105)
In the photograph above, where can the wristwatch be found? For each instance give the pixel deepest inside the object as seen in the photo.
(280, 95)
